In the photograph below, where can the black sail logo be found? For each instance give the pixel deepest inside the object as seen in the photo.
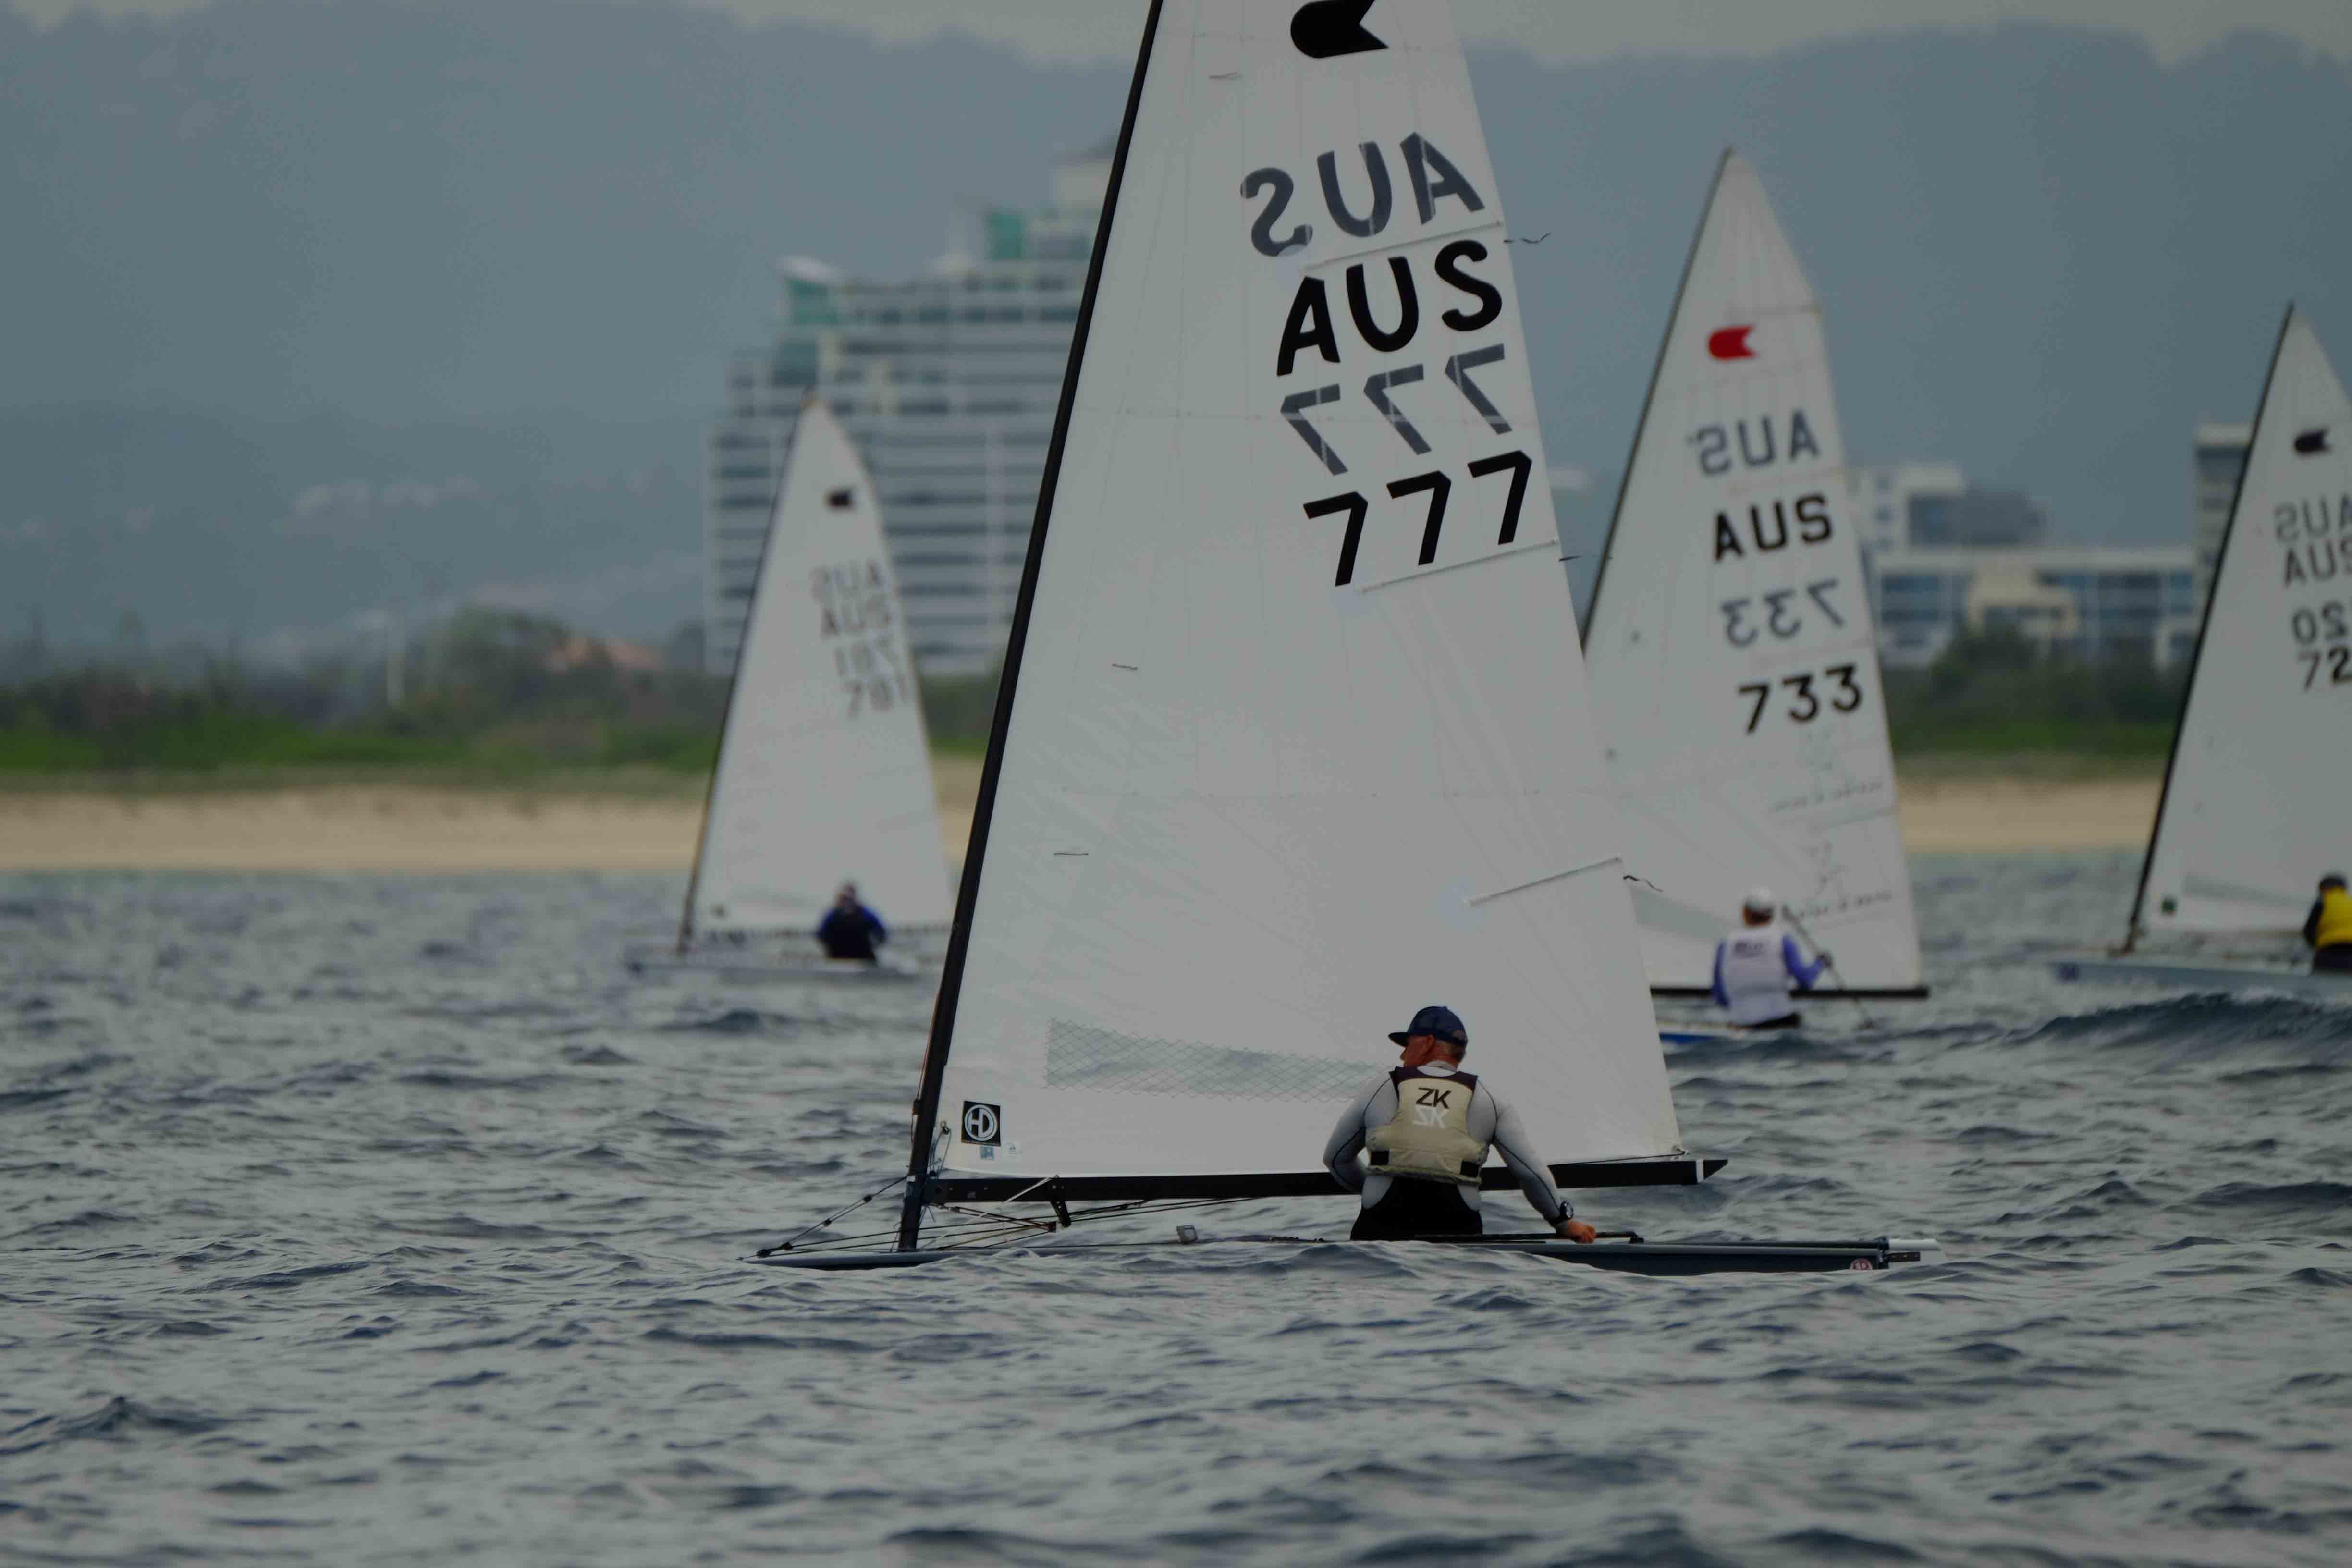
(1325, 29)
(2312, 443)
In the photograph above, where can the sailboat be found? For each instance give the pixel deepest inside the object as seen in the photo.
(2250, 815)
(1733, 655)
(823, 774)
(1293, 733)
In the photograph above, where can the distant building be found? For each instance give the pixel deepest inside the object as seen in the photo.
(2219, 459)
(2093, 604)
(1882, 498)
(950, 385)
(1930, 506)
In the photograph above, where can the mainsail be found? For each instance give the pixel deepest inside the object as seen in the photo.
(1734, 663)
(823, 774)
(2251, 811)
(1293, 736)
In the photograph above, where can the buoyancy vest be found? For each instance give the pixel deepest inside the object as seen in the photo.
(1429, 1138)
(1755, 975)
(2335, 920)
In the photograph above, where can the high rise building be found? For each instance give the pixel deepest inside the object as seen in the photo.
(1881, 499)
(949, 383)
(2219, 458)
(2088, 603)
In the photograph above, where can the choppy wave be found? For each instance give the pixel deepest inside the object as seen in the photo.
(389, 1221)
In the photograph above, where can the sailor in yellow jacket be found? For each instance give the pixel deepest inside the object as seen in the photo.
(2328, 928)
(1426, 1127)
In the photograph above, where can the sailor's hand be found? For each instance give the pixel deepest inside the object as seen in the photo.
(1575, 1230)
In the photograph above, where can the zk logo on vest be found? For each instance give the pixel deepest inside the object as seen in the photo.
(1430, 1106)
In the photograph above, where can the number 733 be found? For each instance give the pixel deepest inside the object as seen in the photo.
(1805, 695)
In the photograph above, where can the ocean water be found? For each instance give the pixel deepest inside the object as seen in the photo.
(376, 1221)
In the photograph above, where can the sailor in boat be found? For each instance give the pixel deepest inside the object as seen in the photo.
(850, 930)
(2327, 928)
(1757, 966)
(1427, 1126)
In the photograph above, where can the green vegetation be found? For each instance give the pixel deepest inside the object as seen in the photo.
(508, 697)
(959, 711)
(499, 697)
(1992, 695)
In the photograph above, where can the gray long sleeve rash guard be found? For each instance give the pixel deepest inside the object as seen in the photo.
(1491, 1119)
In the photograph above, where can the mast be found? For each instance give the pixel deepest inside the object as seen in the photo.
(1650, 397)
(943, 1011)
(2204, 625)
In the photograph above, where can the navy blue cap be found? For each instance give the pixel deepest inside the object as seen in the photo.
(1442, 1022)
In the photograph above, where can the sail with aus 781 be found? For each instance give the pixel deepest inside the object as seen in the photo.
(823, 772)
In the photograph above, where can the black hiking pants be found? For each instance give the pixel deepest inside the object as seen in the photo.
(1418, 1208)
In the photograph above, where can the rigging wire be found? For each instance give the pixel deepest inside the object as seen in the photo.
(786, 1245)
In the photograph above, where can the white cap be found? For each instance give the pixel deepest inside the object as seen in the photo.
(1759, 901)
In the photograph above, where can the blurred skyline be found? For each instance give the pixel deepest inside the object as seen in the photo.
(1095, 31)
(271, 246)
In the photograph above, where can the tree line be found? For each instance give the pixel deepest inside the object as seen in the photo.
(500, 691)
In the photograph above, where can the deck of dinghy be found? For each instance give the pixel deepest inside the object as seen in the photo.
(1657, 1258)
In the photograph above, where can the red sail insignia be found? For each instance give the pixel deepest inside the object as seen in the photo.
(1730, 342)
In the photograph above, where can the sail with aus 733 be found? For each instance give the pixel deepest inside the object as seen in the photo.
(1733, 657)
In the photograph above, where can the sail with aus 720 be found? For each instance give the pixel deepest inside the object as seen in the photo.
(2251, 811)
(1293, 734)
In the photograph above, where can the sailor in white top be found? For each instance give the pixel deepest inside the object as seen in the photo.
(1428, 1126)
(1756, 965)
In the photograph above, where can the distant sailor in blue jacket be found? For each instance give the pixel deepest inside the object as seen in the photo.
(850, 930)
(1756, 967)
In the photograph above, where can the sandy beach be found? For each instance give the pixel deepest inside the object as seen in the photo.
(422, 827)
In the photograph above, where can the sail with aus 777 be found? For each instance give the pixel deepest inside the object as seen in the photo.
(1293, 732)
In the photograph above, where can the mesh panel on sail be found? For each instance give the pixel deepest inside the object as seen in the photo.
(1078, 1056)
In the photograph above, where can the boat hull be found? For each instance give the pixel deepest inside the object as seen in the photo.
(1669, 1260)
(750, 965)
(1717, 1034)
(2200, 976)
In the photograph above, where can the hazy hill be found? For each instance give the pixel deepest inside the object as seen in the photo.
(355, 238)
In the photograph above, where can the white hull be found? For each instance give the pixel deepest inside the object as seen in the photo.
(1716, 1034)
(2105, 971)
(766, 965)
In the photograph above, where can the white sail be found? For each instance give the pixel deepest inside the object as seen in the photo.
(1734, 663)
(824, 774)
(1299, 737)
(2252, 811)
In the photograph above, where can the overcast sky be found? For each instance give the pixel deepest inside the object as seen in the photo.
(1549, 29)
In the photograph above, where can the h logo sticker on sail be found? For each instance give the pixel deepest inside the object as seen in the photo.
(983, 1124)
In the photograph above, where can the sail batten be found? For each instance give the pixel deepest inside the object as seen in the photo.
(2247, 820)
(1733, 654)
(1294, 737)
(823, 774)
